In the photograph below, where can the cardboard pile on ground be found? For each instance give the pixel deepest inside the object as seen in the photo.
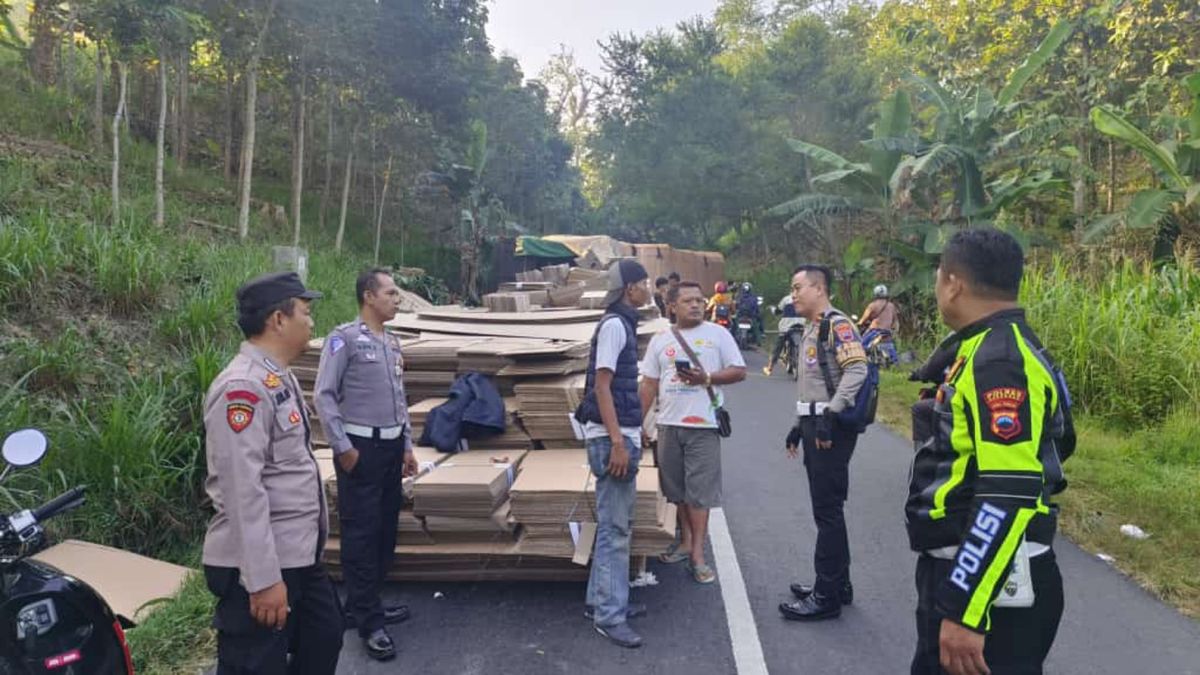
(486, 561)
(462, 491)
(497, 511)
(507, 302)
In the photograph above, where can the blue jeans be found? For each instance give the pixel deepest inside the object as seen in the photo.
(608, 584)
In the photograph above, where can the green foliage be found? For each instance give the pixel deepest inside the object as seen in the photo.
(177, 637)
(1127, 335)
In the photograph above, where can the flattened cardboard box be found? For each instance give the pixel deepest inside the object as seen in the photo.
(131, 584)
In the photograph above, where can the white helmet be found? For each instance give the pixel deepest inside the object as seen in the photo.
(881, 291)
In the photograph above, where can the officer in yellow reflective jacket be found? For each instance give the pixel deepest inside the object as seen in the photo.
(990, 444)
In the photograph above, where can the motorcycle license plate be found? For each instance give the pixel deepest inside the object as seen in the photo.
(744, 326)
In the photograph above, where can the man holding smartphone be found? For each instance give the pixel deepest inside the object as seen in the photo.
(681, 367)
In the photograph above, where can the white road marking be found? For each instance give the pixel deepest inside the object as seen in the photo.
(743, 633)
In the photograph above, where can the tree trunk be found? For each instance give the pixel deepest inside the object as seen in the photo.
(387, 178)
(230, 115)
(327, 188)
(1112, 178)
(98, 102)
(160, 141)
(173, 114)
(45, 40)
(246, 172)
(247, 161)
(341, 233)
(185, 126)
(116, 142)
(298, 156)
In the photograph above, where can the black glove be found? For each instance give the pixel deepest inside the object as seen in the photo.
(825, 423)
(793, 437)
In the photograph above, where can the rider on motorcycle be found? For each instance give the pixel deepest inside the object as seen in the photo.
(747, 307)
(720, 305)
(879, 323)
(786, 309)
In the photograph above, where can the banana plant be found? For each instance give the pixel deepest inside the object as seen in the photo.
(966, 133)
(854, 188)
(1176, 165)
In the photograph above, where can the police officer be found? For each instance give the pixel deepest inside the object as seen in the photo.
(830, 343)
(990, 445)
(361, 402)
(263, 547)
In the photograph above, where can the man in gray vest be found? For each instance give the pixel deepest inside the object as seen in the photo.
(611, 414)
(827, 446)
(361, 402)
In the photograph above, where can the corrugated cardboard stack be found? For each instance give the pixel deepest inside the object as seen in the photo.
(482, 515)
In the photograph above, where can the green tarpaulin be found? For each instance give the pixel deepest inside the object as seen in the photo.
(541, 248)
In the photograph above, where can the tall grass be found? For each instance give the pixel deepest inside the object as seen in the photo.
(1127, 335)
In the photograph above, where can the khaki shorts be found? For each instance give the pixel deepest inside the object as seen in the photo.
(689, 466)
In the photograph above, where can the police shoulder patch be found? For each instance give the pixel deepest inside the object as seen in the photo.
(1004, 404)
(336, 343)
(844, 331)
(239, 416)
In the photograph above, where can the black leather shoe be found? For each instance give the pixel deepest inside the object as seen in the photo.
(846, 595)
(815, 607)
(391, 616)
(380, 646)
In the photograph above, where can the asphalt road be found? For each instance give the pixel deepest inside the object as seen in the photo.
(1110, 626)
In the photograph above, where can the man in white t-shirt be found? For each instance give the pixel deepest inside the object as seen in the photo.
(689, 447)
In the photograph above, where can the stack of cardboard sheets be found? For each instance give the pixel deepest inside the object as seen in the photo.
(547, 406)
(504, 510)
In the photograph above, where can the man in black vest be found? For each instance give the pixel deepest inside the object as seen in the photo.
(611, 415)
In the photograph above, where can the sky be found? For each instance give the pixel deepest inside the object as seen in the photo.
(532, 30)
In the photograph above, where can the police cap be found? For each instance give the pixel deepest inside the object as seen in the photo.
(271, 289)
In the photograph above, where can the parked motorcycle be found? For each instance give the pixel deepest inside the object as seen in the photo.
(791, 329)
(50, 623)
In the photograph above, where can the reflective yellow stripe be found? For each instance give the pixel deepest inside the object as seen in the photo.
(960, 438)
(981, 599)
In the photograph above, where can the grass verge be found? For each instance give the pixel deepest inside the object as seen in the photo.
(1149, 478)
(178, 638)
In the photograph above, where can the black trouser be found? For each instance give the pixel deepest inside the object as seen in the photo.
(828, 484)
(313, 635)
(369, 501)
(1019, 639)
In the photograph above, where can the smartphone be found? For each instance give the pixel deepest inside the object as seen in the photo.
(682, 364)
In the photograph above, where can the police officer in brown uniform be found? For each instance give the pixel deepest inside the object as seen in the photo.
(263, 547)
(830, 343)
(361, 401)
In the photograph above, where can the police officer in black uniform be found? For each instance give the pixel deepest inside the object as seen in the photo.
(990, 443)
(361, 402)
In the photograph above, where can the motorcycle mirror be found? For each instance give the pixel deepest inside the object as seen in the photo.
(24, 448)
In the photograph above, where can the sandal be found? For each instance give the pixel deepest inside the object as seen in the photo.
(702, 574)
(672, 555)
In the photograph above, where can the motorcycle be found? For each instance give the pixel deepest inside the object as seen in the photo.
(880, 346)
(745, 334)
(791, 329)
(49, 622)
(721, 317)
